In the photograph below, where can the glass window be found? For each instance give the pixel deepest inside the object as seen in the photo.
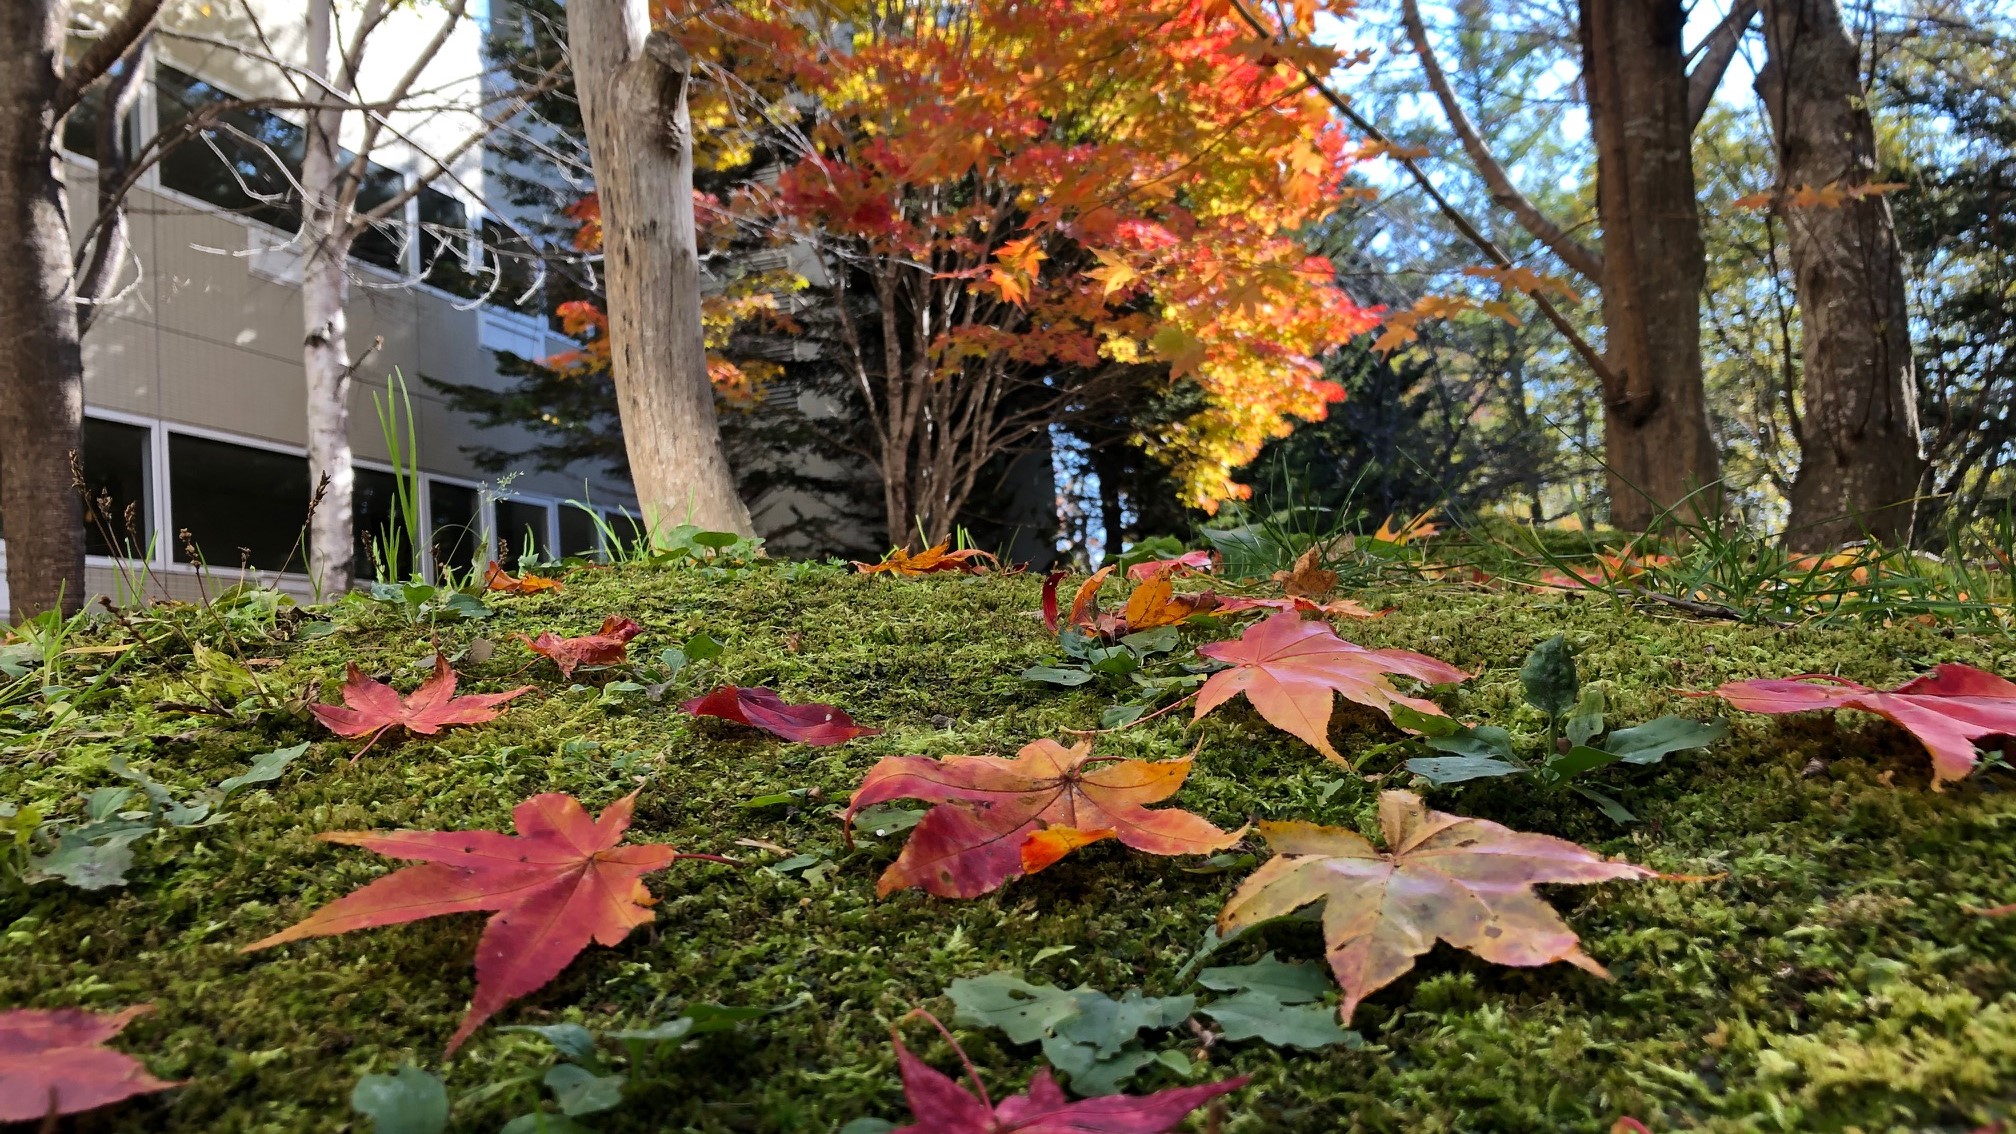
(515, 260)
(456, 525)
(374, 511)
(384, 242)
(521, 528)
(577, 532)
(115, 479)
(444, 237)
(243, 160)
(625, 526)
(238, 504)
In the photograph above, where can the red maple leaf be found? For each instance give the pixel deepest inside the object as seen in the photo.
(1180, 565)
(998, 818)
(941, 1106)
(558, 884)
(762, 708)
(53, 1061)
(375, 707)
(1948, 709)
(1289, 668)
(607, 646)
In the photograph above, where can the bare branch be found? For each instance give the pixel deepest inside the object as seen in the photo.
(100, 56)
(1713, 58)
(111, 244)
(1603, 371)
(1572, 252)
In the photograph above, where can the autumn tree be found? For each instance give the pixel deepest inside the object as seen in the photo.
(1035, 200)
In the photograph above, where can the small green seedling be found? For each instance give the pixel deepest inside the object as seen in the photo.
(1575, 742)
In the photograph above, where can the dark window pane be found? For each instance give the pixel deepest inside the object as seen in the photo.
(116, 477)
(374, 512)
(384, 243)
(515, 261)
(577, 532)
(444, 237)
(626, 527)
(457, 530)
(241, 160)
(521, 528)
(238, 504)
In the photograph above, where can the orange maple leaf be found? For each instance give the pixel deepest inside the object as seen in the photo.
(996, 819)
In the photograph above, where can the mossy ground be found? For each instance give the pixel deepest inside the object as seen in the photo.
(1833, 980)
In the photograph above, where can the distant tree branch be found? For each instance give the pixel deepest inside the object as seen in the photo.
(102, 54)
(1594, 361)
(1572, 252)
(1714, 56)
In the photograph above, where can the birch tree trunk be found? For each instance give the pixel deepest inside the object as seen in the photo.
(41, 363)
(632, 86)
(1657, 442)
(326, 235)
(1861, 460)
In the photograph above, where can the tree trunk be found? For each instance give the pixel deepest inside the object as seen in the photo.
(326, 235)
(1860, 455)
(632, 86)
(41, 363)
(1657, 445)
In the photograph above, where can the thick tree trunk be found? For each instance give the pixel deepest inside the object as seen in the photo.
(1860, 455)
(326, 235)
(632, 86)
(41, 364)
(1657, 444)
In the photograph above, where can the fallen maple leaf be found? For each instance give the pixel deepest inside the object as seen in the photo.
(1335, 608)
(933, 559)
(1288, 668)
(53, 1061)
(1415, 529)
(941, 1106)
(607, 646)
(999, 818)
(374, 707)
(1179, 565)
(1948, 709)
(1307, 578)
(1153, 602)
(762, 708)
(495, 578)
(1465, 881)
(558, 884)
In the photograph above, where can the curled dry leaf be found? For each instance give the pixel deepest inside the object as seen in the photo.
(1948, 709)
(559, 883)
(1307, 578)
(997, 818)
(495, 578)
(970, 561)
(1442, 877)
(607, 646)
(54, 1061)
(372, 707)
(941, 1106)
(1152, 603)
(811, 723)
(1289, 668)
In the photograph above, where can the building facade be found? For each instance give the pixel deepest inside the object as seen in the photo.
(194, 383)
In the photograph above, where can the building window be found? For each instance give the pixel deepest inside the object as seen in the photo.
(116, 463)
(521, 531)
(444, 240)
(456, 524)
(374, 511)
(577, 531)
(238, 504)
(250, 171)
(383, 242)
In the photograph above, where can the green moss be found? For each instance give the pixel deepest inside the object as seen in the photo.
(1831, 980)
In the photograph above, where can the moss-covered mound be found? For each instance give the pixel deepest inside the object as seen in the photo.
(1834, 978)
